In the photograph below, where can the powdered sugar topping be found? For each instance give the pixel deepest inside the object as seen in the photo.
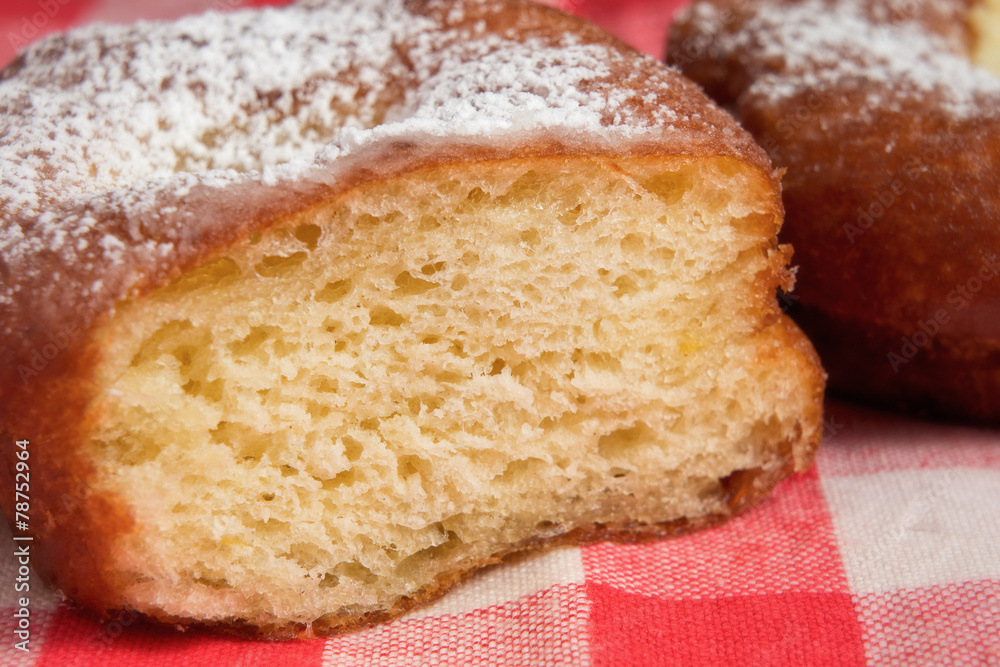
(819, 46)
(113, 117)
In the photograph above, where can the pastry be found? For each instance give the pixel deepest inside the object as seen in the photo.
(310, 312)
(885, 117)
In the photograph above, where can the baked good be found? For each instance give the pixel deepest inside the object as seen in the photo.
(310, 312)
(889, 129)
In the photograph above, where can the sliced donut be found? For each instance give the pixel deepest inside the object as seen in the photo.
(308, 313)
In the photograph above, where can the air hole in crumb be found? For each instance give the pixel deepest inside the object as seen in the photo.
(408, 285)
(332, 326)
(352, 448)
(409, 465)
(335, 291)
(309, 235)
(267, 496)
(366, 221)
(433, 309)
(448, 377)
(316, 410)
(470, 259)
(345, 478)
(625, 286)
(671, 186)
(602, 361)
(531, 237)
(432, 268)
(153, 347)
(619, 444)
(570, 217)
(209, 390)
(717, 199)
(252, 342)
(356, 571)
(428, 223)
(633, 244)
(664, 254)
(477, 196)
(498, 367)
(273, 266)
(381, 316)
(473, 202)
(459, 283)
(523, 471)
(206, 275)
(325, 386)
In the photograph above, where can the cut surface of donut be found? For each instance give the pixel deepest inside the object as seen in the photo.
(343, 336)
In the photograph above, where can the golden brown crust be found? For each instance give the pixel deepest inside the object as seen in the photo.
(891, 186)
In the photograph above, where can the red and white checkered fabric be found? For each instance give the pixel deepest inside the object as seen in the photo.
(886, 553)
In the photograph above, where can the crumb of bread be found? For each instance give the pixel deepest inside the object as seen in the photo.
(436, 369)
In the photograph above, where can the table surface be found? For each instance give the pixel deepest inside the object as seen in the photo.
(886, 553)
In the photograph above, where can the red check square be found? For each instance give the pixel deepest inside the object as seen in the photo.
(785, 544)
(777, 629)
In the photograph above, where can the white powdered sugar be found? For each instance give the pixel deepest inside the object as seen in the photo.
(820, 46)
(110, 118)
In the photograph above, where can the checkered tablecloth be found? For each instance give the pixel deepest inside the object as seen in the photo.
(886, 553)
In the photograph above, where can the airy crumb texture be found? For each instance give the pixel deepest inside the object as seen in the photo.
(436, 370)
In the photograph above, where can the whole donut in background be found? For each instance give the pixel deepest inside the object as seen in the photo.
(889, 132)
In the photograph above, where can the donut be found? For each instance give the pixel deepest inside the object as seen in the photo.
(308, 313)
(885, 117)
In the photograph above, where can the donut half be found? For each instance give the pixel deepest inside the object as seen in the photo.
(309, 313)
